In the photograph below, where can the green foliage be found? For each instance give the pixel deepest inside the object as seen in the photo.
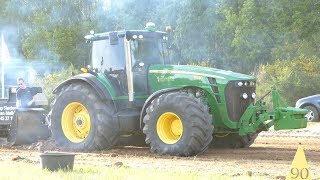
(258, 32)
(234, 35)
(52, 30)
(293, 78)
(196, 45)
(58, 34)
(201, 63)
(51, 81)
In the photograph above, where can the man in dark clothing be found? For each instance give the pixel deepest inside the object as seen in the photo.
(24, 95)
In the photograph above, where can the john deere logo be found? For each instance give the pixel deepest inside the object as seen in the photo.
(165, 79)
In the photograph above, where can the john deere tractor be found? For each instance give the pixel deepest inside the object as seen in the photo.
(131, 86)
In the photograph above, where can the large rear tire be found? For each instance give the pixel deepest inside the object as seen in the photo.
(178, 124)
(233, 140)
(81, 121)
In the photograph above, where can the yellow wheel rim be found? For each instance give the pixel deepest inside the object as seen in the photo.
(75, 122)
(169, 128)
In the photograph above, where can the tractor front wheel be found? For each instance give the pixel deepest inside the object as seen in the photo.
(81, 121)
(178, 124)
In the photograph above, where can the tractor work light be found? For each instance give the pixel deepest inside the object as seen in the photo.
(245, 83)
(244, 96)
(150, 26)
(253, 95)
(84, 70)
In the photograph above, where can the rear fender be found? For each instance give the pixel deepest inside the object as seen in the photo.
(91, 80)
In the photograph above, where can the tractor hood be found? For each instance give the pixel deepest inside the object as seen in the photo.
(199, 71)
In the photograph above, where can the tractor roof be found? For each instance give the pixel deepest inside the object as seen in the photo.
(128, 34)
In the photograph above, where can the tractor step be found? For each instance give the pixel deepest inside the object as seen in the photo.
(128, 120)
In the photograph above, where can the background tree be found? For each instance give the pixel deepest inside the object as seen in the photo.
(293, 78)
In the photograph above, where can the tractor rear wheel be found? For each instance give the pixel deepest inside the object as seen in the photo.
(178, 124)
(232, 140)
(81, 121)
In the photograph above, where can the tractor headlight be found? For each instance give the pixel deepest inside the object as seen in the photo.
(240, 83)
(150, 26)
(140, 36)
(244, 96)
(253, 95)
(134, 37)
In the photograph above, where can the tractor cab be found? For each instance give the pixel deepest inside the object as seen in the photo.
(124, 57)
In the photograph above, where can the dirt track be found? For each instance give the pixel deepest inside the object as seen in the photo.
(270, 156)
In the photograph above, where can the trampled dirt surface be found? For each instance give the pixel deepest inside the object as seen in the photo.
(270, 156)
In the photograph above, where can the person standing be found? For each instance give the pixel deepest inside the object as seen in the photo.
(24, 95)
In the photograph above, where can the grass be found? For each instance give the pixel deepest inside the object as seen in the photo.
(22, 170)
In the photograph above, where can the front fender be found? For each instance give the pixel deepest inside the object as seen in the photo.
(149, 100)
(90, 79)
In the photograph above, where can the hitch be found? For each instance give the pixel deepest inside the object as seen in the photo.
(287, 117)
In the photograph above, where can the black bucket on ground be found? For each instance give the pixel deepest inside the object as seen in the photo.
(57, 161)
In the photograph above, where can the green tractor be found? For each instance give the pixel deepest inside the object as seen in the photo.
(131, 86)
